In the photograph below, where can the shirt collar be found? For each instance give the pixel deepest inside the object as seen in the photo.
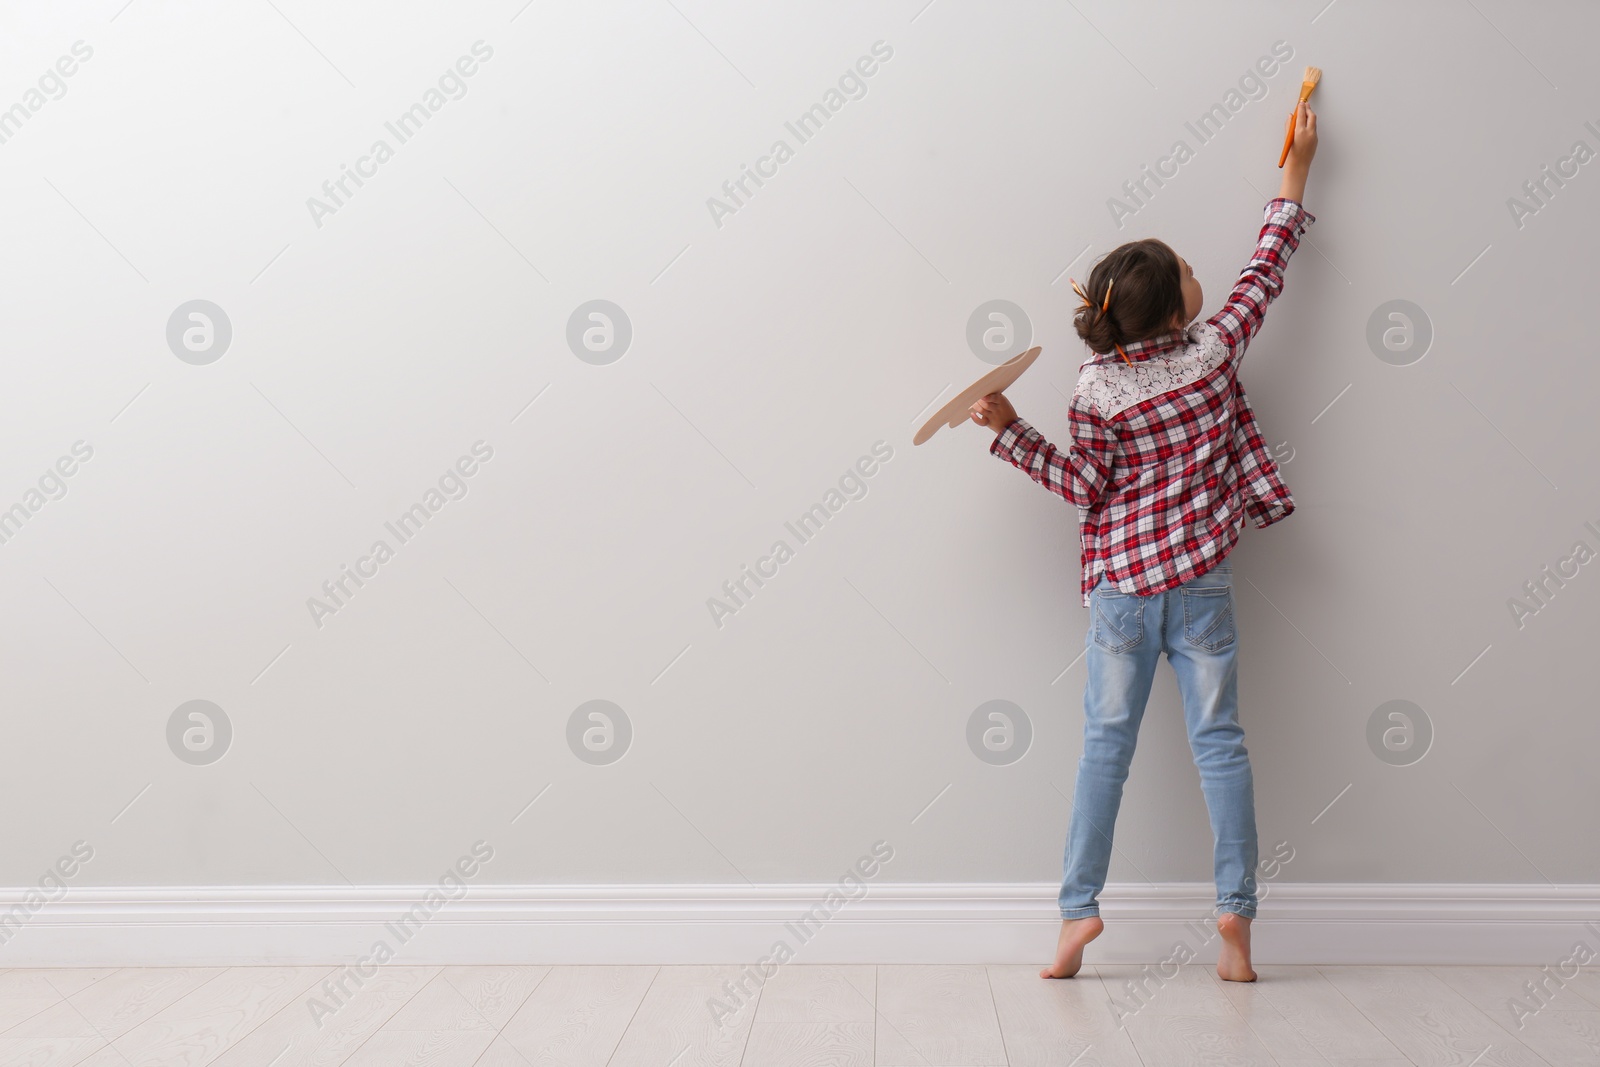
(1158, 345)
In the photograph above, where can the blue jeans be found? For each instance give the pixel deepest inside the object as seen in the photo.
(1194, 625)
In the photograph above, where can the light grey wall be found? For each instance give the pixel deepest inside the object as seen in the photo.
(372, 347)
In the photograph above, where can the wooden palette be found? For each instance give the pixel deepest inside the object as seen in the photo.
(959, 409)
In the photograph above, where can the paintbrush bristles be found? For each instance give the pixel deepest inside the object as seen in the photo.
(1313, 75)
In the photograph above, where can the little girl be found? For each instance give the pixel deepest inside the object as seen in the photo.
(1165, 462)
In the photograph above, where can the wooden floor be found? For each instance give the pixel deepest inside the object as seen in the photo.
(918, 1016)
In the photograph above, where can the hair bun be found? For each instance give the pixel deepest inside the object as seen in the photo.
(1147, 301)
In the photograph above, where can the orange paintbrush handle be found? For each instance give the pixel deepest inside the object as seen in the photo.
(1288, 139)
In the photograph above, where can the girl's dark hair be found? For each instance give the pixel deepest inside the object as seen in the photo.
(1145, 299)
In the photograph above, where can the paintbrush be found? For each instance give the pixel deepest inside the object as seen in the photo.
(1313, 76)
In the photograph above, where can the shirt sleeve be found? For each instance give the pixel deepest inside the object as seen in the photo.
(1081, 472)
(1267, 498)
(1262, 278)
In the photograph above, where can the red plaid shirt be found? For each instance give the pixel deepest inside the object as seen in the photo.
(1166, 457)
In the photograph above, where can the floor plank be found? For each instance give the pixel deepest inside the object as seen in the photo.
(577, 1015)
(818, 993)
(675, 1023)
(1493, 990)
(837, 1044)
(932, 1016)
(502, 1054)
(1564, 1037)
(1281, 1037)
(1330, 1022)
(1045, 1022)
(25, 994)
(61, 1020)
(119, 1002)
(1198, 1039)
(29, 984)
(469, 998)
(295, 1037)
(69, 980)
(197, 1028)
(46, 1051)
(1173, 989)
(421, 1048)
(1427, 1020)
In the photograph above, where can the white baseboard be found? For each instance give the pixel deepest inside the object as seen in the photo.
(739, 924)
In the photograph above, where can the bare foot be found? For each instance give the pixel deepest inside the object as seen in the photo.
(1075, 933)
(1233, 962)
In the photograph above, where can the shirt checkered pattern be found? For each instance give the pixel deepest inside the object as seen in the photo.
(1166, 458)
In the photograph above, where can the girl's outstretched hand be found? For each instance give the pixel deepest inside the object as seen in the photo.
(994, 411)
(1298, 164)
(1304, 123)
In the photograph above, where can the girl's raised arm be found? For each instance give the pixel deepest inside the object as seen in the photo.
(1286, 219)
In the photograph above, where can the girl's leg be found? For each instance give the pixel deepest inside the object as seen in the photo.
(1123, 645)
(1202, 646)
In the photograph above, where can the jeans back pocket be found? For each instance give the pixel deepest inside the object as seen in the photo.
(1118, 618)
(1208, 617)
